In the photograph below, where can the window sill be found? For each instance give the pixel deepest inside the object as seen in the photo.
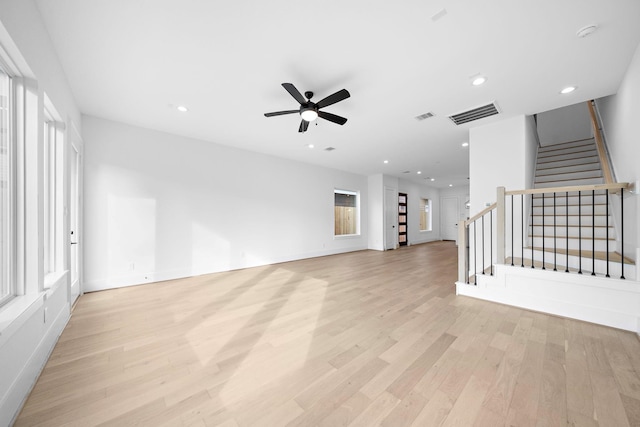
(346, 236)
(53, 280)
(16, 312)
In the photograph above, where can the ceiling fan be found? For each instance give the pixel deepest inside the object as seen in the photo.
(309, 111)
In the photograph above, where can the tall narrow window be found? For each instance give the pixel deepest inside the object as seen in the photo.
(7, 191)
(425, 214)
(347, 213)
(52, 160)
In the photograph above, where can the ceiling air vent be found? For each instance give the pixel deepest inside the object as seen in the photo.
(329, 149)
(424, 116)
(475, 114)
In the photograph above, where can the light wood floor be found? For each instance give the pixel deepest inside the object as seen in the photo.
(361, 339)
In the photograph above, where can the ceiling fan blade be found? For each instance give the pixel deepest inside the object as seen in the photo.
(332, 99)
(279, 113)
(303, 126)
(294, 92)
(332, 117)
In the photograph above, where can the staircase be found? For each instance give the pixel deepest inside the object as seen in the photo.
(582, 231)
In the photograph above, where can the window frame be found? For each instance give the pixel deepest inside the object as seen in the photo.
(425, 208)
(8, 282)
(356, 194)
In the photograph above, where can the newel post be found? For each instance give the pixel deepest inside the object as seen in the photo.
(500, 212)
(462, 251)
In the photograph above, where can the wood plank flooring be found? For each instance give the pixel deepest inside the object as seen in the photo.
(360, 339)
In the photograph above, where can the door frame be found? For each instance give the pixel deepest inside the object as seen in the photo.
(443, 215)
(75, 148)
(390, 215)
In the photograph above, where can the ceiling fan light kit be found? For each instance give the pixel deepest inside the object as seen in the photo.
(310, 111)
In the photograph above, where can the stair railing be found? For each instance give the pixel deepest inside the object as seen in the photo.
(514, 233)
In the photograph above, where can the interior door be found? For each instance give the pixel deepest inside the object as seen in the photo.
(402, 220)
(449, 215)
(74, 221)
(390, 218)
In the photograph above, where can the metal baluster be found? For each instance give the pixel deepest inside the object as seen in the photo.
(566, 226)
(468, 266)
(607, 227)
(579, 232)
(522, 227)
(532, 239)
(543, 231)
(593, 232)
(622, 230)
(555, 252)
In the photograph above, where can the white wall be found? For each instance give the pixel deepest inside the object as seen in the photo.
(376, 212)
(160, 206)
(619, 115)
(570, 123)
(27, 336)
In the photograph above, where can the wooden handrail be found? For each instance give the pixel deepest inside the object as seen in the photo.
(602, 153)
(479, 214)
(617, 186)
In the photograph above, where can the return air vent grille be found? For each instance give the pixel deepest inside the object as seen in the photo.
(424, 116)
(475, 114)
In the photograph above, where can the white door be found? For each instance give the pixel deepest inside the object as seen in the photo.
(390, 218)
(449, 215)
(75, 256)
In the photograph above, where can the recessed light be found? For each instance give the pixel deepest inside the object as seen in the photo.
(419, 172)
(568, 89)
(385, 162)
(310, 145)
(478, 80)
(182, 108)
(465, 144)
(450, 185)
(433, 179)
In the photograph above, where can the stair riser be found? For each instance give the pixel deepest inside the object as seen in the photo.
(569, 183)
(552, 163)
(571, 144)
(562, 200)
(568, 169)
(561, 221)
(566, 176)
(587, 244)
(561, 231)
(578, 150)
(573, 210)
(580, 155)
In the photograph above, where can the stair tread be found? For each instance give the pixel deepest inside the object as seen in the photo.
(518, 262)
(573, 237)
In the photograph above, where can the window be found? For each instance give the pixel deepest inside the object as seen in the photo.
(346, 212)
(425, 214)
(52, 161)
(7, 191)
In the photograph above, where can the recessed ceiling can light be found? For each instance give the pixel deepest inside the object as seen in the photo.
(585, 31)
(478, 80)
(310, 145)
(450, 185)
(433, 179)
(419, 172)
(465, 144)
(568, 89)
(385, 162)
(182, 108)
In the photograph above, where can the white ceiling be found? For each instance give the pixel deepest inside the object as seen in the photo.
(133, 61)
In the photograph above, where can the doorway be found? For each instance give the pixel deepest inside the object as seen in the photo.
(75, 204)
(449, 214)
(390, 218)
(402, 219)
